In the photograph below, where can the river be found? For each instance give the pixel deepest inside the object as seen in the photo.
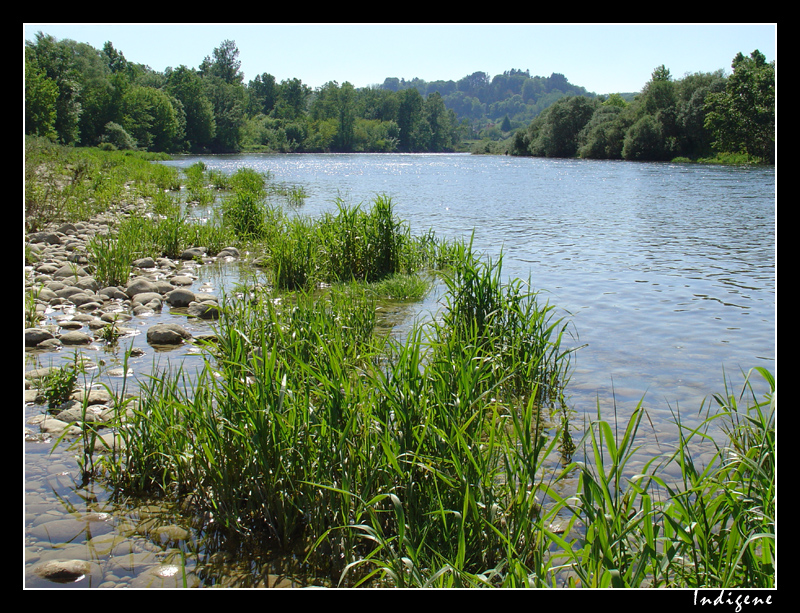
(666, 273)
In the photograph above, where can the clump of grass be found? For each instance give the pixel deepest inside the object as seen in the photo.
(505, 319)
(715, 527)
(59, 383)
(245, 209)
(69, 184)
(112, 256)
(197, 185)
(306, 429)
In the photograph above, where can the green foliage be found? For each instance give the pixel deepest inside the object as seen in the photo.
(555, 132)
(116, 136)
(73, 92)
(69, 184)
(742, 117)
(303, 430)
(41, 94)
(668, 119)
(244, 209)
(59, 384)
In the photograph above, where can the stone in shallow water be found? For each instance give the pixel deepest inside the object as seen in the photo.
(180, 297)
(207, 309)
(75, 338)
(167, 334)
(63, 571)
(34, 336)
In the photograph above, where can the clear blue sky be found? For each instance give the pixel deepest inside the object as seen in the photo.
(603, 58)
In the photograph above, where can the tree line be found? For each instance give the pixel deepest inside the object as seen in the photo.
(78, 95)
(695, 117)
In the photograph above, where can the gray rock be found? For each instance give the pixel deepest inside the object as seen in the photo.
(145, 298)
(68, 291)
(145, 263)
(83, 298)
(51, 238)
(63, 571)
(167, 334)
(51, 344)
(193, 252)
(113, 293)
(35, 336)
(140, 285)
(207, 309)
(182, 280)
(180, 297)
(70, 270)
(45, 294)
(88, 283)
(75, 338)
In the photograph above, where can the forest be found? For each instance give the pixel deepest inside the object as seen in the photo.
(78, 95)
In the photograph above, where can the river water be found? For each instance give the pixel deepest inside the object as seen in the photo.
(666, 273)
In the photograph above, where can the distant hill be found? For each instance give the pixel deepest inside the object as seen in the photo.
(493, 106)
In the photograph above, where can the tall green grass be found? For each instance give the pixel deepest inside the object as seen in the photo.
(430, 463)
(309, 430)
(73, 184)
(352, 244)
(712, 528)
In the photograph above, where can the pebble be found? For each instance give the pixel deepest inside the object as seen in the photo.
(73, 312)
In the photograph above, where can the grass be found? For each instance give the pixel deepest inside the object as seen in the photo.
(72, 184)
(308, 430)
(714, 528)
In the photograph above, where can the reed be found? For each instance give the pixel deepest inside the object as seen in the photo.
(714, 528)
(307, 428)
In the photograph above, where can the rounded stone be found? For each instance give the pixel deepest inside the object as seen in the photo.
(140, 286)
(180, 297)
(75, 338)
(34, 336)
(63, 571)
(167, 334)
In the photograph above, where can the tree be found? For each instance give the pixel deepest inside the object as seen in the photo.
(602, 137)
(439, 123)
(263, 94)
(54, 60)
(555, 133)
(742, 118)
(187, 87)
(409, 115)
(41, 94)
(346, 116)
(293, 96)
(150, 117)
(644, 140)
(224, 64)
(229, 102)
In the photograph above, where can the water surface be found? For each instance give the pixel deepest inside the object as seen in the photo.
(667, 271)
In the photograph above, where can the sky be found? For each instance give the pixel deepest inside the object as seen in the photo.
(603, 58)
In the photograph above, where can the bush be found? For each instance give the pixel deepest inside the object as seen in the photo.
(117, 136)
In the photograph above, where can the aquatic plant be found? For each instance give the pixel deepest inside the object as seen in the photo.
(303, 422)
